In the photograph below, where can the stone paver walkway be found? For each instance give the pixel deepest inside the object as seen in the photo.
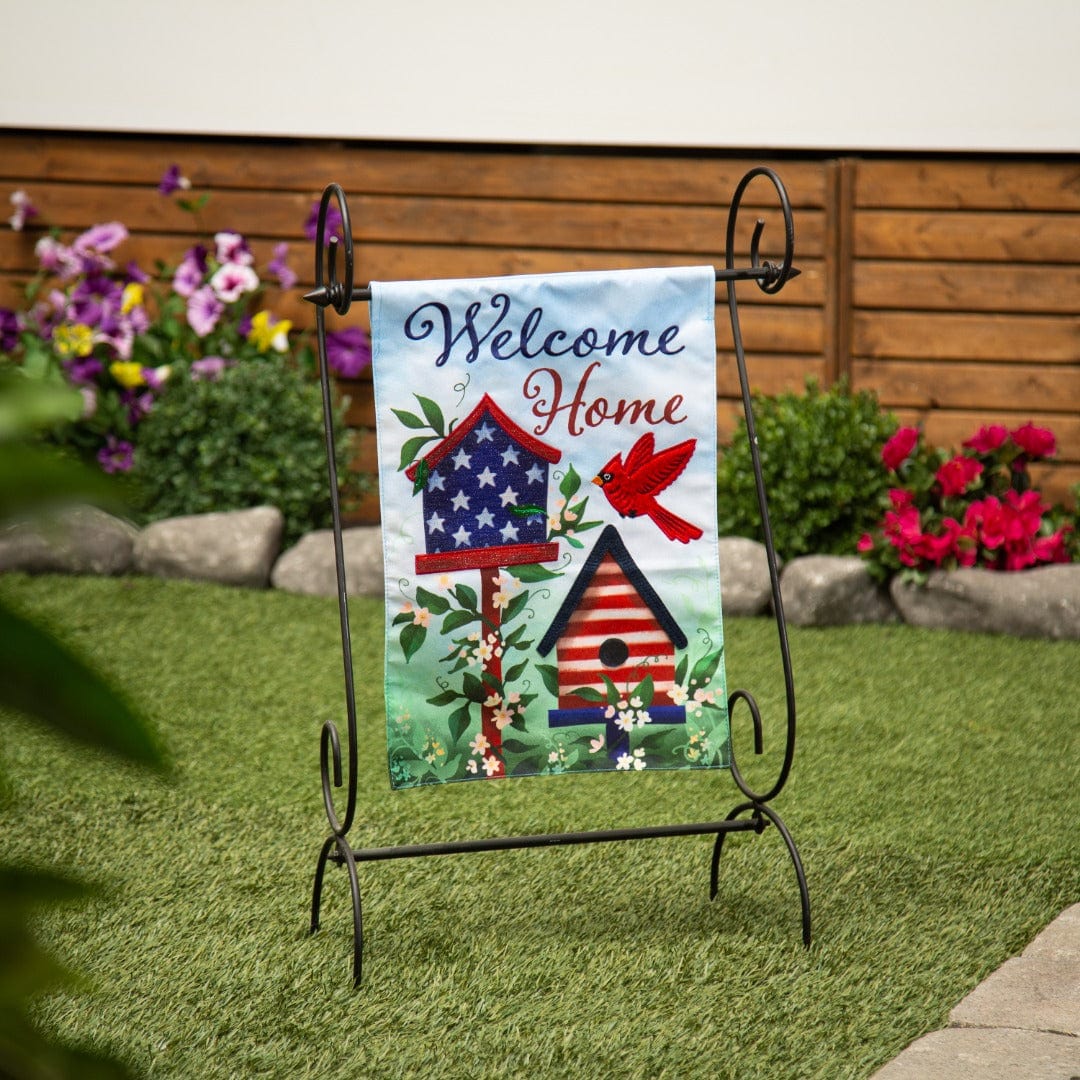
(1021, 1023)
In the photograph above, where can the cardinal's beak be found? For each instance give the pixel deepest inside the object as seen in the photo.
(597, 481)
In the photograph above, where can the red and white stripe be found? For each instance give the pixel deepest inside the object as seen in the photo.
(611, 607)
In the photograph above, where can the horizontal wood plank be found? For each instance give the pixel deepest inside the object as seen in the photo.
(959, 385)
(308, 166)
(459, 222)
(961, 336)
(960, 286)
(948, 428)
(980, 237)
(969, 185)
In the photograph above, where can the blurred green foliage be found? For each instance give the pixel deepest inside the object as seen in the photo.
(821, 460)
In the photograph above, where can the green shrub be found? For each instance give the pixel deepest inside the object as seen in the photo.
(821, 460)
(250, 437)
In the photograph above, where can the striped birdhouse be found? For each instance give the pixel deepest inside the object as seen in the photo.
(612, 624)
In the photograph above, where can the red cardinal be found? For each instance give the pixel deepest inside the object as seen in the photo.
(632, 486)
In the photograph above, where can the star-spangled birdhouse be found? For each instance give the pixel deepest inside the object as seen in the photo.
(485, 490)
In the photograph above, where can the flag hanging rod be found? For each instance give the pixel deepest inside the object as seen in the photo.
(767, 273)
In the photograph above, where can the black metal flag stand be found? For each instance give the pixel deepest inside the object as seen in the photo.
(754, 814)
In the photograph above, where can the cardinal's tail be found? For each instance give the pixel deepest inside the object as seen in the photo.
(673, 526)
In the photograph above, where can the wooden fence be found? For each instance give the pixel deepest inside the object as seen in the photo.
(950, 286)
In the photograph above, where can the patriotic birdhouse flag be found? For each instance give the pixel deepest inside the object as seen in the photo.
(547, 470)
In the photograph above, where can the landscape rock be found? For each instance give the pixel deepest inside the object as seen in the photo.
(833, 590)
(744, 576)
(233, 547)
(1043, 602)
(309, 566)
(74, 540)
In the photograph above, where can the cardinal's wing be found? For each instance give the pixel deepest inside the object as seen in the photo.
(662, 470)
(640, 453)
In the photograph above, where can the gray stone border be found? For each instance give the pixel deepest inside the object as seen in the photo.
(243, 548)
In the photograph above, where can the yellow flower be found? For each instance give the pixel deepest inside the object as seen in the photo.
(265, 334)
(74, 340)
(128, 373)
(132, 297)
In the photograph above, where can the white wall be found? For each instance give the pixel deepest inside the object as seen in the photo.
(801, 74)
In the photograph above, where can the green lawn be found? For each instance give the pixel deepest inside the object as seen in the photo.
(934, 799)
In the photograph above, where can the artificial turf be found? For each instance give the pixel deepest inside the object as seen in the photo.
(934, 798)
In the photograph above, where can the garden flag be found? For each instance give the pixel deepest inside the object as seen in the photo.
(547, 470)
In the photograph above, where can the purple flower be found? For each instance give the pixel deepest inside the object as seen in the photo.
(56, 258)
(23, 209)
(100, 238)
(115, 455)
(9, 330)
(156, 378)
(209, 368)
(138, 405)
(334, 224)
(348, 351)
(203, 310)
(232, 280)
(82, 371)
(189, 275)
(133, 274)
(280, 268)
(232, 248)
(172, 181)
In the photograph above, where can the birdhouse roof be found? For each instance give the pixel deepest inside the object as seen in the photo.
(611, 543)
(486, 405)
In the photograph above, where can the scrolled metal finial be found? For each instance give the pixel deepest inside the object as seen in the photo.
(330, 744)
(330, 291)
(775, 276)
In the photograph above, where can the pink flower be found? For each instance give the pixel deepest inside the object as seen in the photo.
(1034, 441)
(23, 210)
(232, 280)
(56, 258)
(280, 268)
(232, 248)
(100, 238)
(209, 368)
(901, 498)
(957, 475)
(896, 451)
(866, 543)
(1051, 549)
(987, 439)
(203, 310)
(189, 274)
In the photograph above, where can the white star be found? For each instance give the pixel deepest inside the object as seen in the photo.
(484, 519)
(484, 432)
(461, 537)
(510, 455)
(509, 531)
(436, 482)
(460, 501)
(435, 523)
(535, 474)
(486, 478)
(509, 497)
(461, 459)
